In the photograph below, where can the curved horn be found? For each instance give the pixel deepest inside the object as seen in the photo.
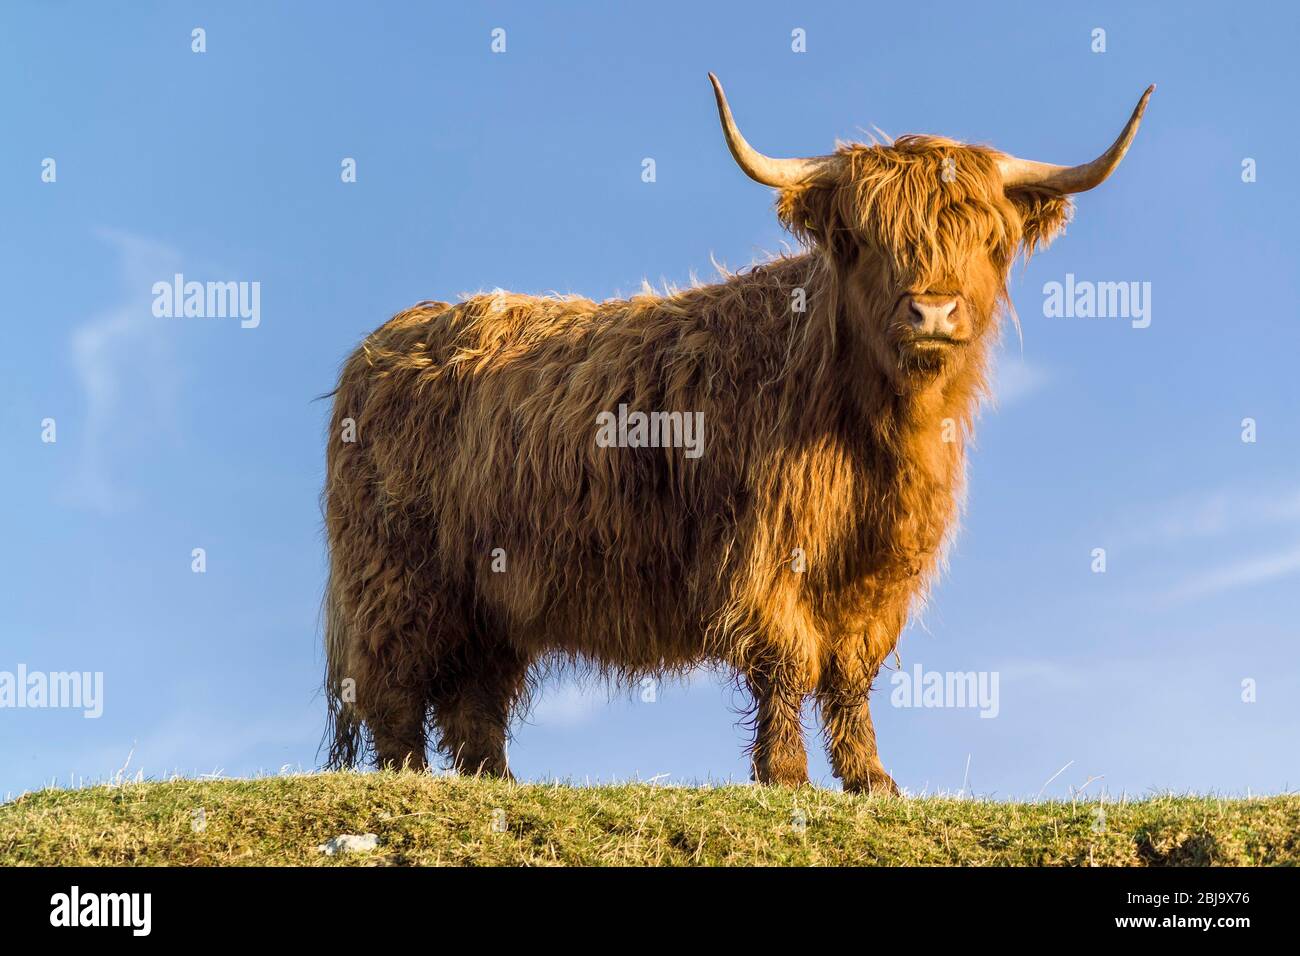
(1024, 173)
(764, 169)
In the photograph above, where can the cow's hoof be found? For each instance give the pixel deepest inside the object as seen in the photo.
(781, 777)
(877, 783)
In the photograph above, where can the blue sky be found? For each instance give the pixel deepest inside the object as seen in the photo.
(522, 170)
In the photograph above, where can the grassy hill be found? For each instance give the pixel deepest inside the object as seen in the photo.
(422, 819)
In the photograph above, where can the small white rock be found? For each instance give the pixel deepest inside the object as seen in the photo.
(350, 843)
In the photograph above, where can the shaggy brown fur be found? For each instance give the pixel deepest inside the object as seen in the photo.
(828, 434)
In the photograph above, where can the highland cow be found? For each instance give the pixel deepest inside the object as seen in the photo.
(478, 530)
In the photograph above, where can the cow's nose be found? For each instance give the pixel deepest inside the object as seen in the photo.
(933, 314)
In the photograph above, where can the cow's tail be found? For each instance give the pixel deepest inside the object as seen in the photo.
(344, 734)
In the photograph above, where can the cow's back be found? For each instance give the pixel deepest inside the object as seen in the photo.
(475, 434)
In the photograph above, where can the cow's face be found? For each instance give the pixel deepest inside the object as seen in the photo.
(920, 235)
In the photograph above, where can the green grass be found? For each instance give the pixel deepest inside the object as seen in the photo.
(422, 819)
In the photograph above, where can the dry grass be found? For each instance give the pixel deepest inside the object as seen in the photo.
(436, 820)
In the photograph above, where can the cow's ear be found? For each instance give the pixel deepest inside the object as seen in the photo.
(1043, 216)
(809, 212)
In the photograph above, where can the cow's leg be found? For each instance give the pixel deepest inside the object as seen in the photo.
(385, 622)
(843, 696)
(392, 698)
(778, 751)
(472, 703)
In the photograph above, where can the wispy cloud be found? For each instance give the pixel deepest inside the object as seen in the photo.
(567, 705)
(1015, 379)
(572, 702)
(127, 372)
(1193, 526)
(1222, 511)
(1239, 574)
